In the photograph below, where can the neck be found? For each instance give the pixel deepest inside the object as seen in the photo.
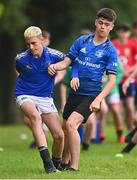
(99, 39)
(123, 41)
(39, 54)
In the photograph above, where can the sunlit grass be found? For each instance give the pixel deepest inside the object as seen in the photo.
(18, 161)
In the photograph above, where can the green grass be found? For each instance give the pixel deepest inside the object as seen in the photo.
(18, 161)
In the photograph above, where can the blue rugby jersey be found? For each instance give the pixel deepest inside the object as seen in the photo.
(33, 76)
(92, 62)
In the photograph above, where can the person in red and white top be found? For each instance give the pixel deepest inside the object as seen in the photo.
(127, 52)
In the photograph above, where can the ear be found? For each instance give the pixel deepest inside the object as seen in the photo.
(112, 26)
(95, 22)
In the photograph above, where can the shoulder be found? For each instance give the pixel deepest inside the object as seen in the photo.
(55, 52)
(84, 38)
(111, 48)
(22, 55)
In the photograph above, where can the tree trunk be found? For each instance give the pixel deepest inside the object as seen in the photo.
(7, 79)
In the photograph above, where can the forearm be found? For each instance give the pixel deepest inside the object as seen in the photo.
(59, 76)
(132, 75)
(63, 64)
(108, 87)
(63, 91)
(132, 68)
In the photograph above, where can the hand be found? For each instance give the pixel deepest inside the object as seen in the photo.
(95, 105)
(52, 69)
(125, 86)
(74, 83)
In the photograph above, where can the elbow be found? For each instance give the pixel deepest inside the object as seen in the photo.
(64, 65)
(66, 62)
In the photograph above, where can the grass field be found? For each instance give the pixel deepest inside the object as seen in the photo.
(17, 161)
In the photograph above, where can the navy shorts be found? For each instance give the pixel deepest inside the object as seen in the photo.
(136, 95)
(131, 91)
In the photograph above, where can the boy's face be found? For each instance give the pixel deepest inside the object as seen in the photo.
(123, 35)
(103, 27)
(35, 45)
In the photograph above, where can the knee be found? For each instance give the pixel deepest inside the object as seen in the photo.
(70, 126)
(35, 118)
(59, 136)
(104, 111)
(104, 108)
(89, 124)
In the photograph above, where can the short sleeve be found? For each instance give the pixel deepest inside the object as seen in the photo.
(17, 64)
(112, 63)
(74, 49)
(56, 55)
(18, 59)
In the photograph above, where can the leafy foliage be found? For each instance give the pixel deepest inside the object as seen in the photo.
(13, 16)
(64, 19)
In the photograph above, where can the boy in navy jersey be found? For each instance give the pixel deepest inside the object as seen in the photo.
(94, 54)
(34, 89)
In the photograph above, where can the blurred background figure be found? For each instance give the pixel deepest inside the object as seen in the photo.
(134, 40)
(101, 124)
(127, 54)
(46, 38)
(114, 105)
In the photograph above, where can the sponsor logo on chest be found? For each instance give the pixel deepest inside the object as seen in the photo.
(99, 53)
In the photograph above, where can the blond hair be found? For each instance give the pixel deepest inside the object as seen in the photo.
(32, 31)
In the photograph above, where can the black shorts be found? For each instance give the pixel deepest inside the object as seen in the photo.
(78, 103)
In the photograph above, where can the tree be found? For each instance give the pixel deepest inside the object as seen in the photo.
(12, 20)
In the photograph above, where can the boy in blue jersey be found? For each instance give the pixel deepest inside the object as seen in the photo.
(46, 42)
(34, 89)
(94, 54)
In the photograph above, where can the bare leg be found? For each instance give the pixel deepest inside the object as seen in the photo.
(33, 115)
(35, 122)
(27, 121)
(102, 118)
(72, 125)
(89, 129)
(130, 145)
(54, 125)
(66, 152)
(130, 112)
(134, 139)
(117, 114)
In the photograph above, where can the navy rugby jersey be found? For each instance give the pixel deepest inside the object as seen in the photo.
(33, 76)
(92, 62)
